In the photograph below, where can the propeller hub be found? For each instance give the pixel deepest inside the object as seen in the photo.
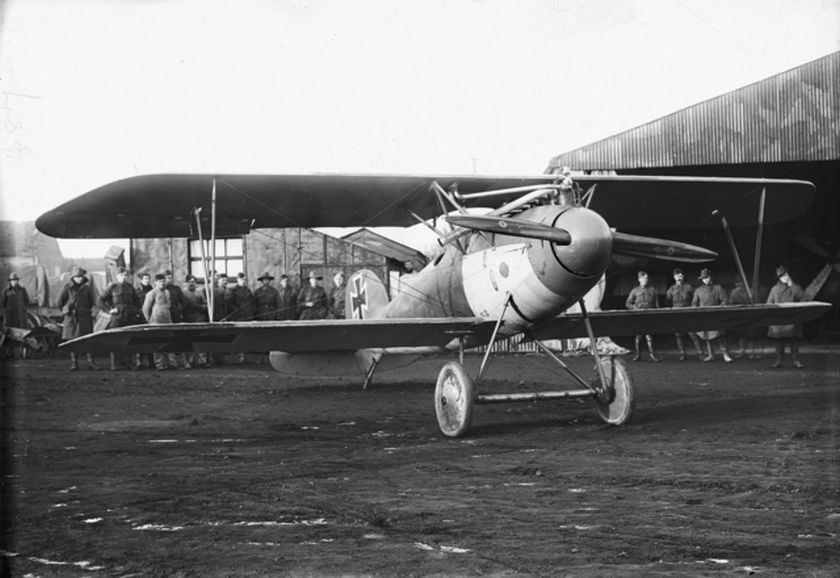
(589, 253)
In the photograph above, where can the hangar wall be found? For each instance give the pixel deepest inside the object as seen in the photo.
(294, 251)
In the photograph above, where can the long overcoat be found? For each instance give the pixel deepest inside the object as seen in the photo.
(76, 303)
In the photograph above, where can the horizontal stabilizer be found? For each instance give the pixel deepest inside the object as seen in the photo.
(618, 323)
(653, 248)
(512, 227)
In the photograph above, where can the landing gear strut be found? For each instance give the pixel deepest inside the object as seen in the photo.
(611, 388)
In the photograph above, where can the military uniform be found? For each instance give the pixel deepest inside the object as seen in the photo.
(711, 296)
(157, 308)
(337, 301)
(317, 297)
(142, 290)
(785, 293)
(267, 303)
(680, 295)
(13, 304)
(287, 308)
(76, 302)
(240, 304)
(195, 306)
(123, 298)
(643, 298)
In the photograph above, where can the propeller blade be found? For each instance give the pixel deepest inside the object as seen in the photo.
(512, 227)
(660, 249)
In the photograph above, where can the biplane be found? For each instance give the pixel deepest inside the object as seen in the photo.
(520, 267)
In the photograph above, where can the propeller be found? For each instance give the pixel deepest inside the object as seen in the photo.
(512, 227)
(622, 243)
(664, 249)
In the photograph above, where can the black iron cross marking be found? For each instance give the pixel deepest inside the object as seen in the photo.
(358, 295)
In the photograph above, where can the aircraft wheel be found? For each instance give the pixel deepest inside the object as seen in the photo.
(454, 400)
(619, 406)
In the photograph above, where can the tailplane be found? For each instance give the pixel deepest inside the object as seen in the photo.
(366, 296)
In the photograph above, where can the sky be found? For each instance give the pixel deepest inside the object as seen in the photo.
(92, 91)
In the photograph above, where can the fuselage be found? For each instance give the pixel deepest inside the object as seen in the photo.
(536, 278)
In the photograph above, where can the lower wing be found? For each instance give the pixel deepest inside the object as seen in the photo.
(619, 323)
(287, 336)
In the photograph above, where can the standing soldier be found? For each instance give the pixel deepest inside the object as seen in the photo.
(709, 295)
(312, 299)
(240, 301)
(144, 359)
(14, 303)
(643, 297)
(337, 296)
(785, 291)
(266, 299)
(287, 309)
(176, 310)
(76, 302)
(157, 308)
(679, 295)
(240, 306)
(121, 302)
(220, 297)
(195, 311)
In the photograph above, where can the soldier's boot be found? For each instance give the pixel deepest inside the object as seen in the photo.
(74, 362)
(709, 355)
(653, 357)
(697, 346)
(92, 363)
(794, 353)
(780, 355)
(114, 366)
(638, 344)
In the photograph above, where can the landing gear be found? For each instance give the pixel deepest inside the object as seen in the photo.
(456, 396)
(454, 400)
(615, 402)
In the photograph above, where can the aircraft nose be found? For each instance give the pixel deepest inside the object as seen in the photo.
(589, 253)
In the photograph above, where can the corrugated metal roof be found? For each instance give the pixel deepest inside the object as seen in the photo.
(792, 116)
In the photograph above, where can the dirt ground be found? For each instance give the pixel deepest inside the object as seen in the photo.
(237, 471)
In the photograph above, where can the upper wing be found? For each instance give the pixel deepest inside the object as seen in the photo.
(288, 336)
(162, 205)
(619, 323)
(652, 202)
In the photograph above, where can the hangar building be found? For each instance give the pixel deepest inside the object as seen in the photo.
(785, 126)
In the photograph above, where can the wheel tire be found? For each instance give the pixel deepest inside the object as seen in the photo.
(454, 400)
(620, 407)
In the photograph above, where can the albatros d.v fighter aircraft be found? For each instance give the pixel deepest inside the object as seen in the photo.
(516, 269)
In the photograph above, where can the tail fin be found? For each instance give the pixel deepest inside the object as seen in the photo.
(365, 296)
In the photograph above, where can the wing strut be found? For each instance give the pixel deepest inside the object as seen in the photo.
(735, 254)
(211, 305)
(758, 234)
(208, 290)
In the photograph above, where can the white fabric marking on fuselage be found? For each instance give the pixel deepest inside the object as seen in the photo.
(487, 298)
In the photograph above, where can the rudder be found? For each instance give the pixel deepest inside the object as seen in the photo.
(366, 296)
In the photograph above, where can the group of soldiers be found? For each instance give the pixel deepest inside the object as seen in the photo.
(164, 301)
(709, 294)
